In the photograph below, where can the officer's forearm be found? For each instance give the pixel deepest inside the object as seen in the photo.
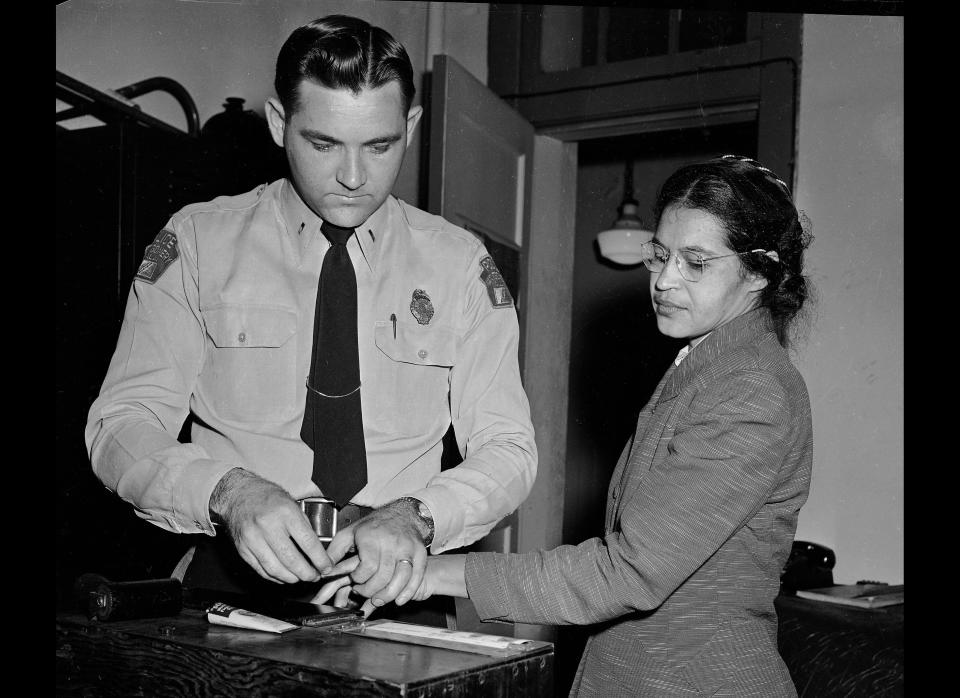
(489, 485)
(222, 496)
(404, 510)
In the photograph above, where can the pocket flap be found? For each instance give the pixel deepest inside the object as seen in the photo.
(250, 325)
(433, 346)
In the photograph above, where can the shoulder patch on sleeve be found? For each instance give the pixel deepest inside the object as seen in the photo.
(159, 255)
(496, 287)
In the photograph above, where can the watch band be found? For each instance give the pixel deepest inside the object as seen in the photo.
(423, 513)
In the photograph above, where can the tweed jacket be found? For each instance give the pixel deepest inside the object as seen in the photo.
(701, 512)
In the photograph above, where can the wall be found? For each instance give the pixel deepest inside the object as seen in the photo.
(228, 48)
(850, 184)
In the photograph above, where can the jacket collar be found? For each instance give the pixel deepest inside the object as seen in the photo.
(745, 329)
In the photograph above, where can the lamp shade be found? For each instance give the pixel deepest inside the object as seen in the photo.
(623, 242)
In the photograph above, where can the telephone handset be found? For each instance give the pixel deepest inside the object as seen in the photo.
(809, 566)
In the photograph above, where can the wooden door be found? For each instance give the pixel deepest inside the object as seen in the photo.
(481, 153)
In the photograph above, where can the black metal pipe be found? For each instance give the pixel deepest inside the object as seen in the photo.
(173, 87)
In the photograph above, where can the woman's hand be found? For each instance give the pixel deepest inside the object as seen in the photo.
(444, 576)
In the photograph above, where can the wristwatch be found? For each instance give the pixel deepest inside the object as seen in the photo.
(423, 513)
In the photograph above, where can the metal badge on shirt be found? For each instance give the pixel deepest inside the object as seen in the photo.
(496, 287)
(159, 255)
(421, 307)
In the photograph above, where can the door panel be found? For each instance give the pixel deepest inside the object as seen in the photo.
(480, 150)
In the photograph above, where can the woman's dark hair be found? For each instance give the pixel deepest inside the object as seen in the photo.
(341, 52)
(757, 211)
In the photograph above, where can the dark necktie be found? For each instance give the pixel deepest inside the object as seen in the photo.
(332, 424)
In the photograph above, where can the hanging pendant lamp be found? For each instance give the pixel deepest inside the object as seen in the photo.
(621, 243)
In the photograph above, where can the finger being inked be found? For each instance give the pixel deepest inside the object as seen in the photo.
(345, 566)
(329, 589)
(343, 600)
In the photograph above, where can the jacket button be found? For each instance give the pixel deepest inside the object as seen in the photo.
(422, 353)
(242, 337)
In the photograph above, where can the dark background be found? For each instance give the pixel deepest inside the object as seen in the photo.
(116, 187)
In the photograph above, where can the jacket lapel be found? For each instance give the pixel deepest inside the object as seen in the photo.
(631, 463)
(654, 417)
(743, 329)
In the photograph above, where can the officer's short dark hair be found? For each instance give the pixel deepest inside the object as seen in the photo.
(341, 52)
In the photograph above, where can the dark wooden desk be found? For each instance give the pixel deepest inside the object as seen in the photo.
(836, 650)
(195, 658)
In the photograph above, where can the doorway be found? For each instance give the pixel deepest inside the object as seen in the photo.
(617, 356)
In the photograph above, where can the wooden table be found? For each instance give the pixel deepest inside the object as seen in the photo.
(843, 651)
(186, 656)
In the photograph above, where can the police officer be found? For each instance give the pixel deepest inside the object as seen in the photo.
(220, 320)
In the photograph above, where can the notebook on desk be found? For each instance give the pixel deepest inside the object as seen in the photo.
(861, 595)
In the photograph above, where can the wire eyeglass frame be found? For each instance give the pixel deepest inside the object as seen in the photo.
(690, 264)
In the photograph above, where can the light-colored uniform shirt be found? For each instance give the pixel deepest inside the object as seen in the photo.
(219, 322)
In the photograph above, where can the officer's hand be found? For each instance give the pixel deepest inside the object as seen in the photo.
(268, 529)
(390, 551)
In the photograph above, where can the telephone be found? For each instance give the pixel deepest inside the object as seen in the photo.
(809, 566)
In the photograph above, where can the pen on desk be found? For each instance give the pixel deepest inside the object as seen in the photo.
(393, 319)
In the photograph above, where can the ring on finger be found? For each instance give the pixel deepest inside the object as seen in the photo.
(407, 561)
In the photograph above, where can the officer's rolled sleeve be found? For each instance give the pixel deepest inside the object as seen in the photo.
(132, 427)
(491, 419)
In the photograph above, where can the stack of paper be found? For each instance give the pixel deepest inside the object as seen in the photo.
(862, 595)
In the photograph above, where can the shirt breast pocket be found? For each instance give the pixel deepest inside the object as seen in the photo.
(250, 371)
(412, 382)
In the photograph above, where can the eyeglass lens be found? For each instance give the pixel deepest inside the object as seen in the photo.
(690, 264)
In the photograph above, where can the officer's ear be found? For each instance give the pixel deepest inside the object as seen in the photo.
(276, 119)
(413, 118)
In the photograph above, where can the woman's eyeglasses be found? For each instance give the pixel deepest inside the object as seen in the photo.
(690, 264)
